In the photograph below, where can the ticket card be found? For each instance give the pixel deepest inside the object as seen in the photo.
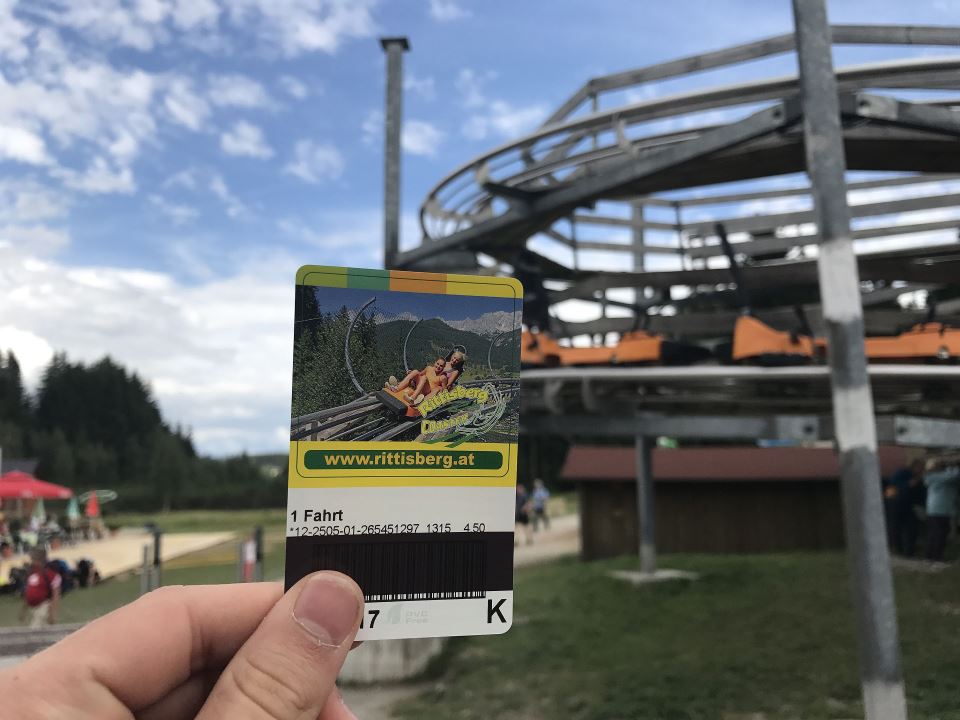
(403, 445)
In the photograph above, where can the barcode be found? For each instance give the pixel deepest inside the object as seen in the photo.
(409, 569)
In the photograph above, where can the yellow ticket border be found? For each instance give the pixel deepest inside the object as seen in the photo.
(302, 477)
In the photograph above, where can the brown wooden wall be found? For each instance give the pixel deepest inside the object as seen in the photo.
(713, 517)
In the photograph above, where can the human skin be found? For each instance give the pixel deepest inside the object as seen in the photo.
(246, 651)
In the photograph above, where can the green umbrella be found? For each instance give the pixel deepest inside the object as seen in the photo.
(73, 510)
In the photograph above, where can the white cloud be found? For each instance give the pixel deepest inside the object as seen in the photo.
(357, 231)
(32, 351)
(196, 180)
(315, 162)
(193, 14)
(138, 26)
(371, 129)
(290, 27)
(447, 10)
(187, 179)
(95, 117)
(503, 119)
(420, 138)
(232, 204)
(71, 104)
(187, 341)
(471, 86)
(13, 33)
(38, 239)
(185, 106)
(247, 140)
(295, 27)
(237, 91)
(100, 177)
(493, 116)
(26, 201)
(178, 214)
(17, 143)
(424, 87)
(191, 342)
(294, 87)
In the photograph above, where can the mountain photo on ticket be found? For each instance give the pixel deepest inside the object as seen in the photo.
(396, 365)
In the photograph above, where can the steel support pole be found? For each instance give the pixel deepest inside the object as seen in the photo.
(868, 556)
(645, 507)
(638, 241)
(258, 564)
(145, 572)
(594, 107)
(394, 47)
(157, 576)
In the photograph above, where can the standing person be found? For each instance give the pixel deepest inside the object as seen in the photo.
(41, 592)
(942, 485)
(539, 500)
(907, 483)
(522, 516)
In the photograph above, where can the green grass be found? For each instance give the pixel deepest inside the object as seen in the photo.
(203, 520)
(756, 637)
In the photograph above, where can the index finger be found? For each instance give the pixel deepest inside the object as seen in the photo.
(144, 650)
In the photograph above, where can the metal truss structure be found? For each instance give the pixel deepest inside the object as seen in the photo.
(639, 165)
(615, 168)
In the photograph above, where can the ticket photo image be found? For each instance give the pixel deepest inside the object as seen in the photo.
(403, 432)
(397, 365)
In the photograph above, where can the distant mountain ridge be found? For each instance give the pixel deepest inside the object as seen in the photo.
(488, 324)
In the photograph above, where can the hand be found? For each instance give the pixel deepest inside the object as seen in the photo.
(218, 651)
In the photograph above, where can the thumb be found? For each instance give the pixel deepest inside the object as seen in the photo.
(287, 669)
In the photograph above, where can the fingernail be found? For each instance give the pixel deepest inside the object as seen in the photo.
(327, 609)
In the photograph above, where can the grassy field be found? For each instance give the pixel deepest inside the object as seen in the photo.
(756, 638)
(204, 520)
(214, 565)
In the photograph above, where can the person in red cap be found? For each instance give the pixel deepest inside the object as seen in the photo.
(41, 592)
(92, 511)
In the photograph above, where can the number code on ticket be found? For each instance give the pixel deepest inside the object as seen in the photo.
(403, 445)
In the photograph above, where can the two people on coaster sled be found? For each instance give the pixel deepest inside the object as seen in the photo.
(418, 385)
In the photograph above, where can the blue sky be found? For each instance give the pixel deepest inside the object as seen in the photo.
(168, 164)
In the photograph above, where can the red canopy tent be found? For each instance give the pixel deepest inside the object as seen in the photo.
(18, 484)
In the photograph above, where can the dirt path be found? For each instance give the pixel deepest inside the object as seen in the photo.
(563, 538)
(375, 702)
(124, 552)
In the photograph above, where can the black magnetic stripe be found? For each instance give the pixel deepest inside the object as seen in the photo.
(408, 563)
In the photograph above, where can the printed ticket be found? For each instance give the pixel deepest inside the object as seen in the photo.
(403, 445)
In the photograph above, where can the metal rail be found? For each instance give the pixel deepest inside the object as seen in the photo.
(442, 204)
(329, 412)
(406, 364)
(651, 153)
(917, 373)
